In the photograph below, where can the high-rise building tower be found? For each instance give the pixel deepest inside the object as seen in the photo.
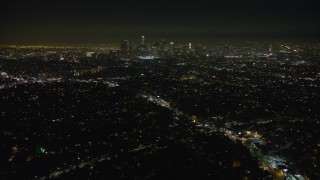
(142, 40)
(270, 49)
(226, 50)
(143, 46)
(125, 48)
(162, 46)
(162, 42)
(171, 47)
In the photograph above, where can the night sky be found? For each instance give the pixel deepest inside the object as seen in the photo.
(72, 22)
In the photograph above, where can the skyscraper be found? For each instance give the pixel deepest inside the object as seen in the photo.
(270, 49)
(162, 42)
(125, 48)
(142, 40)
(144, 49)
(162, 47)
(226, 50)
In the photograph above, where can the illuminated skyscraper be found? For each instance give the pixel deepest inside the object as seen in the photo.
(142, 40)
(162, 42)
(226, 50)
(125, 48)
(162, 47)
(143, 46)
(171, 47)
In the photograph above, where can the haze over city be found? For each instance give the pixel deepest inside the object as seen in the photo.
(58, 22)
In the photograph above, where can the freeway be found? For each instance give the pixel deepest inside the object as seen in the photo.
(269, 163)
